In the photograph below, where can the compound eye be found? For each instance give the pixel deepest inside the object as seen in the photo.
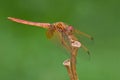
(70, 29)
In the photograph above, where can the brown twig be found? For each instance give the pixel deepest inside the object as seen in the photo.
(73, 63)
(70, 64)
(67, 64)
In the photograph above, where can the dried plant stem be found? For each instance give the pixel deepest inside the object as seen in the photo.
(67, 64)
(73, 63)
(70, 65)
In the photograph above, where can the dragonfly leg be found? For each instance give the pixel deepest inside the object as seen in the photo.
(84, 34)
(64, 43)
(85, 49)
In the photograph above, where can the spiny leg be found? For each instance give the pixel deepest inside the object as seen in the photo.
(85, 49)
(84, 34)
(64, 43)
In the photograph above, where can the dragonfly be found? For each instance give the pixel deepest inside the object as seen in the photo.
(65, 32)
(66, 35)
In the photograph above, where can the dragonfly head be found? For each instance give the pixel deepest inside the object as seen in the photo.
(70, 30)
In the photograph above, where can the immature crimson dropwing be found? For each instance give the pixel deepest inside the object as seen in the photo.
(66, 32)
(67, 38)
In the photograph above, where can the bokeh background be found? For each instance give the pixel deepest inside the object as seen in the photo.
(26, 53)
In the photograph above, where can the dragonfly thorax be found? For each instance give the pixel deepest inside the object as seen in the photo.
(60, 26)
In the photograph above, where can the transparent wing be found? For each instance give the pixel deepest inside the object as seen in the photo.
(50, 33)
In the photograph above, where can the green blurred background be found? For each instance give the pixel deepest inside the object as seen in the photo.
(26, 53)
